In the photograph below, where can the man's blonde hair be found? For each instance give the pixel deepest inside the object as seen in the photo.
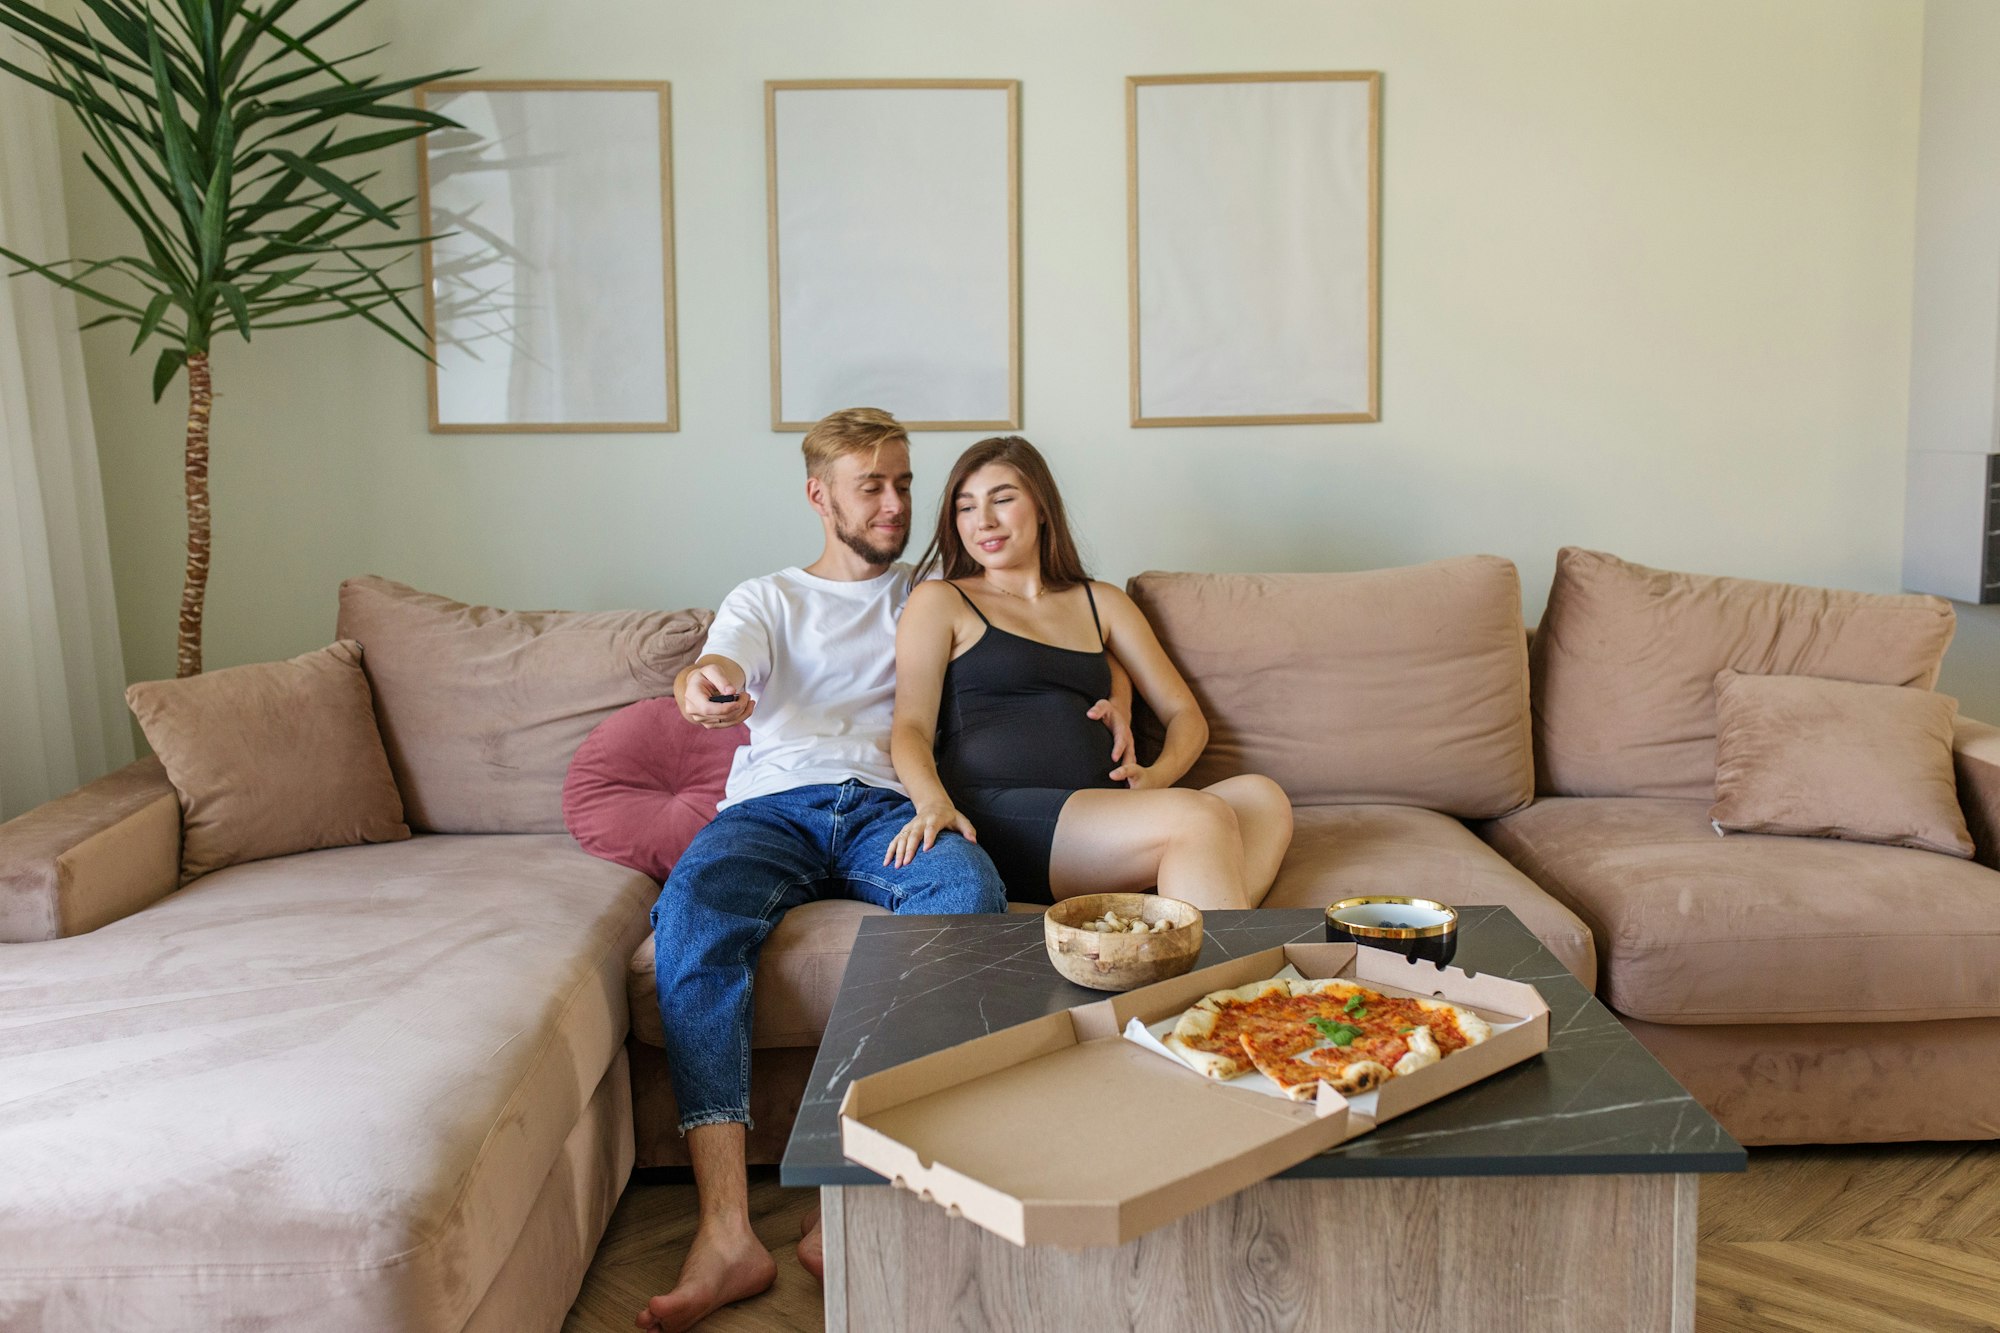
(852, 430)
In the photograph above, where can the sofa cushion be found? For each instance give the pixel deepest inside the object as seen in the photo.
(481, 709)
(1625, 660)
(1348, 851)
(798, 975)
(322, 1091)
(1394, 686)
(645, 782)
(1696, 928)
(1835, 759)
(272, 758)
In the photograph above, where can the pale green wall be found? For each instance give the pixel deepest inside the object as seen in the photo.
(1646, 287)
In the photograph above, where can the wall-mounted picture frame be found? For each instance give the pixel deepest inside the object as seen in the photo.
(1253, 239)
(549, 293)
(894, 233)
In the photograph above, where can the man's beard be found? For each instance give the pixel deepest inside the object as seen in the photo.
(857, 540)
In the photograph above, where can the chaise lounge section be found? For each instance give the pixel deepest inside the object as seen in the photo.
(370, 1087)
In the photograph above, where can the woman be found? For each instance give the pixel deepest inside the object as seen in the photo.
(998, 662)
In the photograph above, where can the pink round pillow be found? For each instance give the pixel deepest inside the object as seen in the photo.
(644, 783)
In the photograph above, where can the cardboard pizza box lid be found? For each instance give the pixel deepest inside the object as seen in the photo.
(1059, 1131)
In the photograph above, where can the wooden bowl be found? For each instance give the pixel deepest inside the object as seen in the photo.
(1105, 961)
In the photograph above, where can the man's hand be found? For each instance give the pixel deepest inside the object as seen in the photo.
(1119, 721)
(1137, 776)
(699, 707)
(921, 833)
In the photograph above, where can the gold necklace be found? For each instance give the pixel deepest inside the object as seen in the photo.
(1015, 595)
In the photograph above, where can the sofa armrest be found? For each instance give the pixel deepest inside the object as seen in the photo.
(1975, 752)
(104, 851)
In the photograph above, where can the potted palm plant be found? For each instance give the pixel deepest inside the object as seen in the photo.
(230, 144)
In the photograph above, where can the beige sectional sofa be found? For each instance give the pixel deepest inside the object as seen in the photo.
(400, 1086)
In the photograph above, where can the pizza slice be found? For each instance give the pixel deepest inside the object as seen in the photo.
(1447, 1026)
(1299, 1062)
(1207, 1036)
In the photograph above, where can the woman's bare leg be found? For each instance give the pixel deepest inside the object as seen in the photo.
(1186, 842)
(1264, 818)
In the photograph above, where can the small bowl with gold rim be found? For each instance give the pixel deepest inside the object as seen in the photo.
(1417, 928)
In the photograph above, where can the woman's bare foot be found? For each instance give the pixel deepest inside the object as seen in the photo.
(812, 1248)
(726, 1263)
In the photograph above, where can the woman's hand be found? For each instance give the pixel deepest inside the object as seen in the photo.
(1139, 777)
(922, 832)
(1118, 721)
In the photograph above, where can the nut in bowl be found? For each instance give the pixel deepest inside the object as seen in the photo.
(1119, 941)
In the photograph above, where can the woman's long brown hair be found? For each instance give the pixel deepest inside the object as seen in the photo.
(1062, 566)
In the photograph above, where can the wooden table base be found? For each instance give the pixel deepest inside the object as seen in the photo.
(1533, 1253)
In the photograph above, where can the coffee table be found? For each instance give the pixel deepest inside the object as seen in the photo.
(1557, 1195)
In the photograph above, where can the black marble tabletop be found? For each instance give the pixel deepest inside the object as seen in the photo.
(1594, 1102)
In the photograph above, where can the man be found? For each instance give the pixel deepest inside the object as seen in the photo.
(808, 657)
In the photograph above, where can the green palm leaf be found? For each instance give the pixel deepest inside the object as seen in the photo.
(239, 308)
(326, 180)
(170, 363)
(155, 312)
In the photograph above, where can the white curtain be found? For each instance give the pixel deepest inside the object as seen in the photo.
(62, 679)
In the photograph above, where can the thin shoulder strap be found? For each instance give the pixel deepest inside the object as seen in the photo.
(969, 602)
(1093, 615)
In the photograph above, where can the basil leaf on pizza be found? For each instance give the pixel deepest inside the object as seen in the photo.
(1340, 1034)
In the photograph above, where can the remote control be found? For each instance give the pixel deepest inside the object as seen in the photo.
(722, 698)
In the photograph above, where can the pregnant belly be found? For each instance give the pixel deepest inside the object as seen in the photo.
(1052, 744)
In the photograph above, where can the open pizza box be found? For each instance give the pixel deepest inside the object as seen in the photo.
(1070, 1130)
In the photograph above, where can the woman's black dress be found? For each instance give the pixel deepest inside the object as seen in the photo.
(1014, 741)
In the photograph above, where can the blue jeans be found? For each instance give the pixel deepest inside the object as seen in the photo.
(745, 870)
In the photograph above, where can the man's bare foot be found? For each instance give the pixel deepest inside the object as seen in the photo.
(725, 1264)
(812, 1247)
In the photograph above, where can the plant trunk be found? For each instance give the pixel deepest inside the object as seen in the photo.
(195, 589)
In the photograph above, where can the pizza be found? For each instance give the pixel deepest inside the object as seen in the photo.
(1301, 1033)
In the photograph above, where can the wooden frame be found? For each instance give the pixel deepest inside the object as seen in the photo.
(671, 419)
(1372, 411)
(1012, 87)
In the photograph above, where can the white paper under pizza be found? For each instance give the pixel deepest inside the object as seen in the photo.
(1153, 1038)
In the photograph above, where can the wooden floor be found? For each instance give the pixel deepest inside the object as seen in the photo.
(1894, 1239)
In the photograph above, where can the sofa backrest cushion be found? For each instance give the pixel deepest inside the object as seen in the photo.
(644, 783)
(1393, 686)
(481, 709)
(1625, 659)
(272, 758)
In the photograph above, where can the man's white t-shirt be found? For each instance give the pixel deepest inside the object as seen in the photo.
(820, 660)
